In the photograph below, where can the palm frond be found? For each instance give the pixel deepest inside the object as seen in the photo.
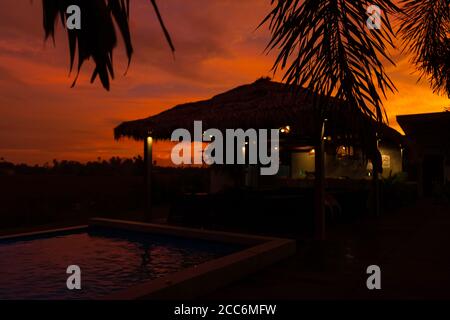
(425, 29)
(326, 46)
(97, 38)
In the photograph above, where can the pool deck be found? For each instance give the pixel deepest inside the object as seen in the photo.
(411, 246)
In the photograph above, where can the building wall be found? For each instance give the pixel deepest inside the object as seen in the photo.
(302, 164)
(392, 159)
(346, 168)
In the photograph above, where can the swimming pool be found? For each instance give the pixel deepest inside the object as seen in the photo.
(124, 260)
(110, 260)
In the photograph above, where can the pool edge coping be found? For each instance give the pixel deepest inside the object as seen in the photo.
(42, 232)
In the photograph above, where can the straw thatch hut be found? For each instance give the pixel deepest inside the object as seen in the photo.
(266, 104)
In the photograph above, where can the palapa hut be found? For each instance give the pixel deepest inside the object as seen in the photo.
(351, 137)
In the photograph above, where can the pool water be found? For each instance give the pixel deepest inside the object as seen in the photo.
(110, 260)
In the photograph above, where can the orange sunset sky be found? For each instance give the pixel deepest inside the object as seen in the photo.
(42, 119)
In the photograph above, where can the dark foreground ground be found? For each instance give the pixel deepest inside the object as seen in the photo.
(411, 246)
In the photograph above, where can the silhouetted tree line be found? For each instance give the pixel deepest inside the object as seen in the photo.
(114, 166)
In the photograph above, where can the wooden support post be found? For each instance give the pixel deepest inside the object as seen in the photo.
(319, 192)
(420, 179)
(376, 192)
(376, 182)
(148, 166)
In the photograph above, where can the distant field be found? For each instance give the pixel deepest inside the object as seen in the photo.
(30, 200)
(40, 199)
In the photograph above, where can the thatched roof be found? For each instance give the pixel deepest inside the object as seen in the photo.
(262, 104)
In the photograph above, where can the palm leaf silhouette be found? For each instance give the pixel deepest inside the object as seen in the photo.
(97, 37)
(325, 45)
(425, 29)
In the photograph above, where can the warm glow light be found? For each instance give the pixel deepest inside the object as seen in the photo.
(285, 129)
(312, 152)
